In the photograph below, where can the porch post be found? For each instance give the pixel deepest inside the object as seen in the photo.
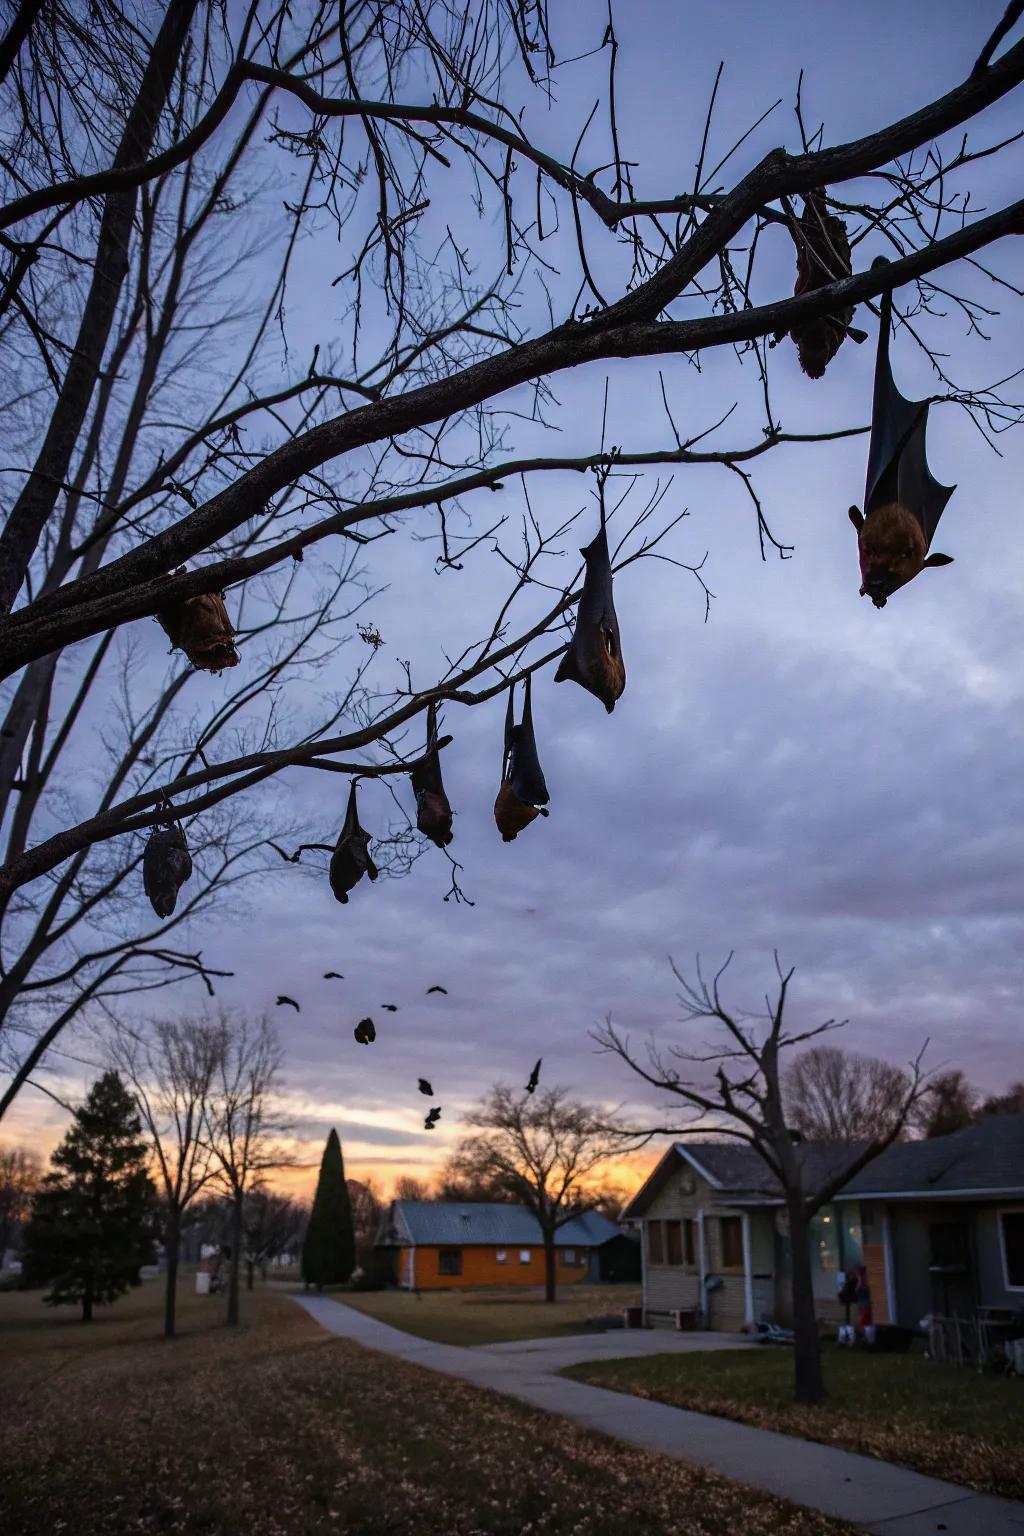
(643, 1272)
(890, 1279)
(702, 1259)
(748, 1273)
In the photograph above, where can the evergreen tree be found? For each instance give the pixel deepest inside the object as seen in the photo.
(329, 1252)
(94, 1215)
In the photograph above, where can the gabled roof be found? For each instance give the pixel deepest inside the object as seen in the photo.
(462, 1225)
(986, 1159)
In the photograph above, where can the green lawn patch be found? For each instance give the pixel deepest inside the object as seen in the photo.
(948, 1423)
(280, 1429)
(492, 1316)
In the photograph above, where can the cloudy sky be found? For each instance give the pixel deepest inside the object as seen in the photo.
(801, 772)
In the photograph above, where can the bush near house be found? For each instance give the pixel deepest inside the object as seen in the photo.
(945, 1422)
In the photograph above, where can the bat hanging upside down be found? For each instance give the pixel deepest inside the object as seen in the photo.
(433, 812)
(822, 256)
(200, 627)
(594, 658)
(351, 858)
(523, 793)
(166, 865)
(902, 499)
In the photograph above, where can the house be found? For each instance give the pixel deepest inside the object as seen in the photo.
(436, 1244)
(938, 1227)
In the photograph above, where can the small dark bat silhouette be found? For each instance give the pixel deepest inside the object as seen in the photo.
(289, 1002)
(437, 989)
(390, 1007)
(333, 975)
(534, 1075)
(433, 1116)
(364, 1032)
(426, 1088)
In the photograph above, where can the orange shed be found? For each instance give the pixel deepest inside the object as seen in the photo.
(441, 1245)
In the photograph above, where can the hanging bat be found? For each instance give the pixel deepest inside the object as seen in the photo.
(433, 813)
(289, 1002)
(365, 1032)
(426, 1088)
(390, 1007)
(534, 1075)
(200, 627)
(822, 256)
(902, 499)
(166, 865)
(437, 989)
(351, 858)
(433, 1116)
(333, 976)
(523, 793)
(594, 658)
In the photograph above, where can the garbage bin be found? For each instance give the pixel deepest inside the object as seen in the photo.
(633, 1317)
(686, 1319)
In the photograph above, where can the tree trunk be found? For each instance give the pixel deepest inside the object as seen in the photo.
(250, 1272)
(808, 1381)
(549, 1266)
(236, 1258)
(173, 1245)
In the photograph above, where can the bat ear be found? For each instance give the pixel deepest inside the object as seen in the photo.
(938, 560)
(856, 519)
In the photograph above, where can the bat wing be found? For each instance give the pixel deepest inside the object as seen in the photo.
(426, 776)
(897, 461)
(594, 657)
(524, 771)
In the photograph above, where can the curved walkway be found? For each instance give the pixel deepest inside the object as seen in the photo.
(881, 1498)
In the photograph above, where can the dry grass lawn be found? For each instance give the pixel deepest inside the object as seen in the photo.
(279, 1429)
(945, 1422)
(492, 1315)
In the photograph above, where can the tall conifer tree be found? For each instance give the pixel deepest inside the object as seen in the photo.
(94, 1216)
(329, 1252)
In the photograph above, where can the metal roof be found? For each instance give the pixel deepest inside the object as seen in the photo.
(509, 1226)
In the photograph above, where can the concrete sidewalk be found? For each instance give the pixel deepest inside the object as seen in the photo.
(881, 1498)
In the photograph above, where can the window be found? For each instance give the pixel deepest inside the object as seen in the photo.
(655, 1249)
(673, 1242)
(690, 1242)
(732, 1242)
(524, 1255)
(501, 1256)
(567, 1258)
(1011, 1230)
(449, 1261)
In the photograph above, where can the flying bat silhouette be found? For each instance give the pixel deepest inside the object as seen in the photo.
(523, 793)
(433, 813)
(333, 976)
(594, 658)
(200, 627)
(426, 1088)
(437, 989)
(351, 859)
(365, 1032)
(534, 1075)
(902, 500)
(166, 865)
(390, 1007)
(289, 1002)
(822, 256)
(433, 1116)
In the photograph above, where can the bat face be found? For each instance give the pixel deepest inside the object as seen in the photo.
(200, 627)
(166, 865)
(511, 814)
(434, 817)
(594, 658)
(892, 549)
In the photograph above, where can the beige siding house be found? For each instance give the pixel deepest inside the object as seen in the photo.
(932, 1226)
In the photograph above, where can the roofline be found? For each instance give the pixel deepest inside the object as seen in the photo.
(684, 1151)
(981, 1192)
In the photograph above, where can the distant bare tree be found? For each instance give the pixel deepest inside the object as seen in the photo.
(409, 1187)
(739, 1092)
(542, 1150)
(20, 1173)
(1009, 1103)
(836, 1095)
(949, 1103)
(273, 1225)
(245, 1124)
(171, 1070)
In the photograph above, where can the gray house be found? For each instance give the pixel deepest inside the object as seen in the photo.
(938, 1227)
